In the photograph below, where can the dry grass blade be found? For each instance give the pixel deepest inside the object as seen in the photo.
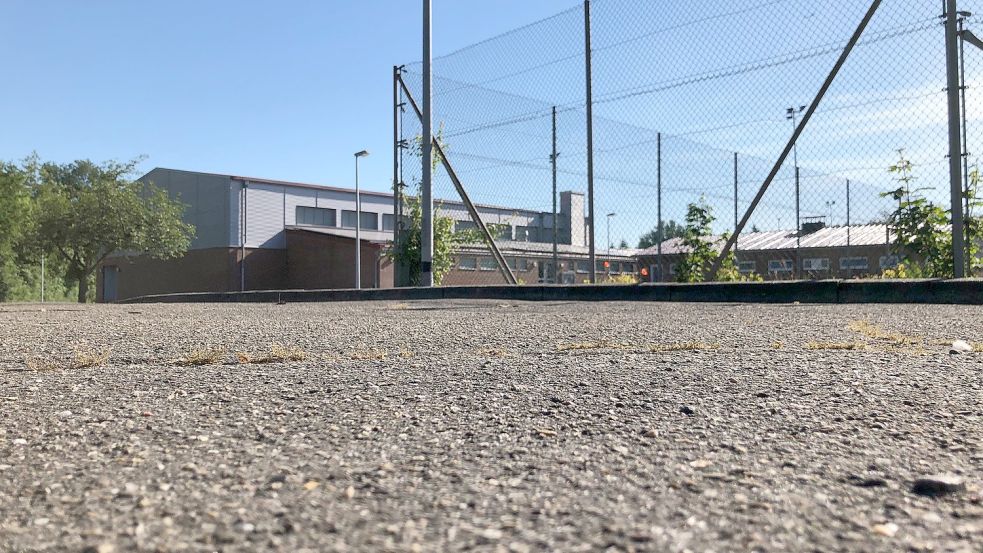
(368, 355)
(200, 357)
(277, 354)
(682, 346)
(866, 328)
(85, 358)
(38, 364)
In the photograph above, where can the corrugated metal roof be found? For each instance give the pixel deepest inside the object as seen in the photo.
(828, 237)
(512, 247)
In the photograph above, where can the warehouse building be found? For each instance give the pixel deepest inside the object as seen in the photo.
(817, 252)
(261, 234)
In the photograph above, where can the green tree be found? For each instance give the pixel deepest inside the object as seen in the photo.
(701, 252)
(85, 212)
(446, 241)
(15, 222)
(919, 226)
(671, 229)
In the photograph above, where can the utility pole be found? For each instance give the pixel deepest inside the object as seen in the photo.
(426, 238)
(658, 187)
(556, 255)
(735, 199)
(955, 139)
(590, 145)
(965, 145)
(791, 114)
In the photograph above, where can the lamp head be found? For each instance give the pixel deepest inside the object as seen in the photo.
(363, 153)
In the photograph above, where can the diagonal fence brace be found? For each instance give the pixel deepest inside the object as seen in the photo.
(503, 266)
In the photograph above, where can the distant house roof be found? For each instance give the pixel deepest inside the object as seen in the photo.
(827, 237)
(512, 247)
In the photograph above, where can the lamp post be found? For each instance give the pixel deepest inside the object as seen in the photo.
(791, 114)
(358, 224)
(609, 231)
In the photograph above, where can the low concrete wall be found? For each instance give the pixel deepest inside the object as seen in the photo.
(967, 291)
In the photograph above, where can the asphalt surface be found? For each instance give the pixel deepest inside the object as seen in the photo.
(491, 426)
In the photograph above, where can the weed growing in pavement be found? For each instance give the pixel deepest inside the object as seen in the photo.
(201, 356)
(277, 354)
(866, 328)
(682, 346)
(83, 357)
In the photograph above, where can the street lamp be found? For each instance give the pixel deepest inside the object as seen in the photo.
(609, 231)
(358, 224)
(791, 114)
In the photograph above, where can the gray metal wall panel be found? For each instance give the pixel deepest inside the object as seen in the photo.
(205, 198)
(265, 216)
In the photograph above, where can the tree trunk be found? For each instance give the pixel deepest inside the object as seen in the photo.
(83, 288)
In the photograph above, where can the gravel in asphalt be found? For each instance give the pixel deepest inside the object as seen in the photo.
(494, 426)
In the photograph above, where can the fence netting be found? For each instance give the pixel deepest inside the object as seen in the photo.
(692, 104)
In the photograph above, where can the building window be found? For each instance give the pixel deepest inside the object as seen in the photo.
(583, 267)
(519, 264)
(370, 221)
(315, 216)
(889, 261)
(780, 266)
(467, 264)
(815, 264)
(847, 263)
(747, 266)
(464, 225)
(488, 264)
(628, 268)
(527, 234)
(347, 218)
(388, 221)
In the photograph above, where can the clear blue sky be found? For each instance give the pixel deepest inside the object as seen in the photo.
(285, 90)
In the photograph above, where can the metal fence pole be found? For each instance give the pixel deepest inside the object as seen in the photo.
(590, 145)
(658, 187)
(735, 198)
(955, 138)
(426, 238)
(396, 188)
(965, 144)
(556, 256)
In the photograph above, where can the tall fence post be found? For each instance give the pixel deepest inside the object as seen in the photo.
(965, 142)
(955, 138)
(658, 188)
(590, 145)
(735, 198)
(397, 200)
(426, 238)
(556, 255)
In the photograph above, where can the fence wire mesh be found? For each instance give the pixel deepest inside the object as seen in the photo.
(693, 102)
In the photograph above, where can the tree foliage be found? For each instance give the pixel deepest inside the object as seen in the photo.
(15, 224)
(700, 251)
(923, 239)
(446, 241)
(85, 211)
(670, 229)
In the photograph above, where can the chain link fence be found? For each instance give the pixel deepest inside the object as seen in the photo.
(692, 105)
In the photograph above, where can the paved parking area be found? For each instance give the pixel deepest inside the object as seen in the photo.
(489, 425)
